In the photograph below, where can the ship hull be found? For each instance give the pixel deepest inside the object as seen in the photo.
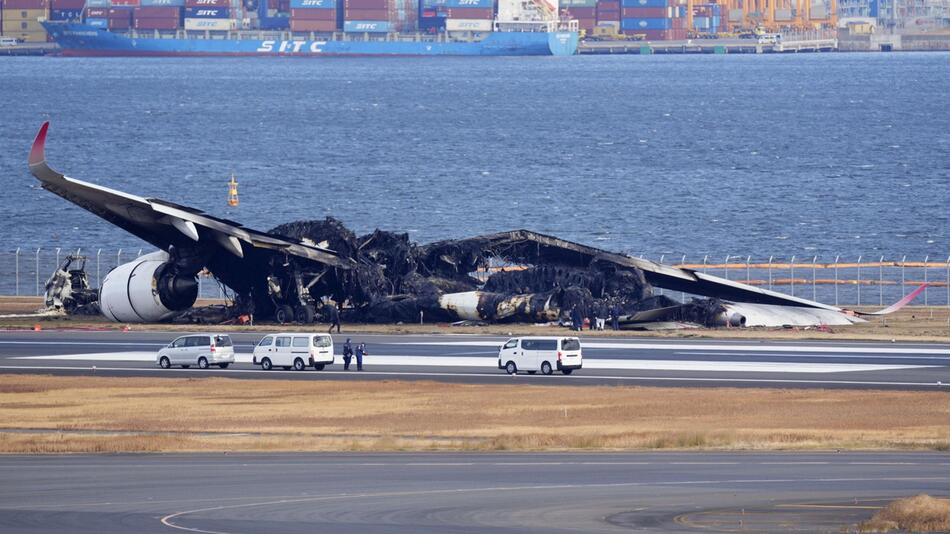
(81, 40)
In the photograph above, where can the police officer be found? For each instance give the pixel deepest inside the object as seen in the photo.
(360, 352)
(347, 354)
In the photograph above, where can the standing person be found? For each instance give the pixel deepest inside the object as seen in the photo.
(600, 315)
(347, 354)
(360, 352)
(615, 317)
(333, 317)
(576, 318)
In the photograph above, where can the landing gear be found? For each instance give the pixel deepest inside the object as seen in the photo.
(284, 314)
(305, 314)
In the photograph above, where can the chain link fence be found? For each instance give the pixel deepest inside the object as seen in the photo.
(862, 281)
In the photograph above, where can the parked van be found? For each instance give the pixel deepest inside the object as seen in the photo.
(203, 350)
(545, 354)
(294, 350)
(9, 41)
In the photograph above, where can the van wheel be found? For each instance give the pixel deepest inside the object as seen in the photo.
(298, 365)
(567, 371)
(546, 368)
(266, 365)
(203, 362)
(284, 314)
(319, 366)
(511, 368)
(164, 363)
(223, 365)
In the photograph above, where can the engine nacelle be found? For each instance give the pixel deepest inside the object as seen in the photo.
(146, 290)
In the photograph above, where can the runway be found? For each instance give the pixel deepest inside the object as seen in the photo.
(459, 493)
(472, 359)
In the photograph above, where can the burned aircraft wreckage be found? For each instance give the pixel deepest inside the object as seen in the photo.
(294, 270)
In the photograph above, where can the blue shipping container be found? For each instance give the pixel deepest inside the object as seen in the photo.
(484, 4)
(65, 14)
(646, 3)
(275, 23)
(313, 4)
(646, 24)
(370, 26)
(873, 9)
(163, 3)
(98, 23)
(98, 3)
(701, 23)
(206, 13)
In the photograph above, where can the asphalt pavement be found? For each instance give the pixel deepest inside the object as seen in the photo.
(459, 493)
(472, 359)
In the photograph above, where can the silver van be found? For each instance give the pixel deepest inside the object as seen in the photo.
(203, 350)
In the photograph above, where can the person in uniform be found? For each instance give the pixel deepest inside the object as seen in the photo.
(347, 354)
(360, 352)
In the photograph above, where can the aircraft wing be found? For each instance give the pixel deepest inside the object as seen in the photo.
(165, 224)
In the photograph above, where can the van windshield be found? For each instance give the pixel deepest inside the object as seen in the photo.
(322, 341)
(571, 344)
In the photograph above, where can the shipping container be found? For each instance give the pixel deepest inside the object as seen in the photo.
(157, 12)
(489, 4)
(120, 24)
(577, 3)
(608, 17)
(312, 4)
(366, 14)
(128, 3)
(121, 13)
(646, 3)
(369, 26)
(28, 37)
(159, 3)
(313, 14)
(21, 26)
(581, 12)
(467, 13)
(65, 14)
(64, 5)
(25, 14)
(207, 3)
(646, 24)
(207, 13)
(647, 12)
(608, 4)
(659, 35)
(156, 23)
(366, 4)
(98, 23)
(313, 25)
(468, 25)
(98, 3)
(274, 23)
(97, 13)
(209, 24)
(24, 4)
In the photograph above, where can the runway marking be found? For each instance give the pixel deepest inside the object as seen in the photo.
(839, 356)
(535, 379)
(589, 363)
(168, 520)
(715, 347)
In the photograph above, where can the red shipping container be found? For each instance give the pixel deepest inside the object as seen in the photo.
(586, 24)
(207, 3)
(367, 4)
(67, 5)
(608, 4)
(608, 17)
(646, 12)
(365, 14)
(157, 12)
(157, 24)
(659, 35)
(120, 24)
(313, 14)
(25, 4)
(130, 3)
(612, 13)
(97, 13)
(468, 13)
(313, 25)
(120, 13)
(582, 12)
(283, 5)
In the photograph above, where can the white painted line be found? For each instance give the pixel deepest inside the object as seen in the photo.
(534, 379)
(812, 355)
(715, 347)
(490, 362)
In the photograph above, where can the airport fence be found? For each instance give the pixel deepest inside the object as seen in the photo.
(864, 281)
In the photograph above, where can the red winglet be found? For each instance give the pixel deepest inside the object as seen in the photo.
(38, 152)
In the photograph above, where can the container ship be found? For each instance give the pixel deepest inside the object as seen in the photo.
(315, 28)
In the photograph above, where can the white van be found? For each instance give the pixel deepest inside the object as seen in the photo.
(545, 354)
(203, 350)
(297, 350)
(9, 41)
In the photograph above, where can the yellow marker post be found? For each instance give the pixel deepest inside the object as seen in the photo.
(233, 193)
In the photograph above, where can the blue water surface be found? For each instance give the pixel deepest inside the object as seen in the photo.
(809, 154)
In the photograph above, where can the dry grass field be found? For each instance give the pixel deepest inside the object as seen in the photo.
(93, 414)
(921, 513)
(931, 324)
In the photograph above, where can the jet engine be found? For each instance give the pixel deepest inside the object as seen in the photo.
(148, 289)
